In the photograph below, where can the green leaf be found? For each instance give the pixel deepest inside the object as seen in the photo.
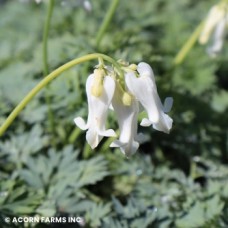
(214, 207)
(194, 218)
(96, 213)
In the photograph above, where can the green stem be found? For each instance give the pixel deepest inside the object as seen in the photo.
(74, 135)
(48, 79)
(45, 36)
(46, 67)
(106, 21)
(188, 45)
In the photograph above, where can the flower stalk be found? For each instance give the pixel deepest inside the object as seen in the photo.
(45, 63)
(186, 48)
(106, 21)
(45, 36)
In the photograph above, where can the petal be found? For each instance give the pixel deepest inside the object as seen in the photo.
(164, 124)
(168, 104)
(127, 121)
(143, 90)
(141, 138)
(97, 112)
(92, 138)
(107, 133)
(81, 123)
(146, 122)
(111, 107)
(218, 38)
(145, 70)
(127, 149)
(214, 16)
(87, 5)
(100, 105)
(78, 120)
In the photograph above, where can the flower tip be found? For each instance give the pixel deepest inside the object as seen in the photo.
(144, 65)
(145, 122)
(141, 138)
(164, 125)
(92, 138)
(127, 149)
(108, 133)
(80, 123)
(145, 69)
(87, 6)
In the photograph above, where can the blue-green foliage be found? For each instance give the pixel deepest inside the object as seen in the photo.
(47, 168)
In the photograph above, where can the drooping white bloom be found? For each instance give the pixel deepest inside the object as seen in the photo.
(97, 108)
(215, 15)
(218, 38)
(127, 121)
(145, 91)
(215, 28)
(123, 94)
(87, 5)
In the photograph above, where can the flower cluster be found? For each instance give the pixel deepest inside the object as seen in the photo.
(216, 23)
(107, 89)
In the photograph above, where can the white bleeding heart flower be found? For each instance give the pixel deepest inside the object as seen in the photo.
(98, 109)
(218, 37)
(145, 91)
(87, 5)
(127, 113)
(124, 94)
(214, 28)
(215, 15)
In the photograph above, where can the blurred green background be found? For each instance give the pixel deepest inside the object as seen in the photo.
(175, 180)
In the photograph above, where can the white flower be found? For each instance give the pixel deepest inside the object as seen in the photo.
(123, 95)
(87, 5)
(218, 38)
(216, 23)
(127, 119)
(145, 91)
(215, 15)
(98, 105)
